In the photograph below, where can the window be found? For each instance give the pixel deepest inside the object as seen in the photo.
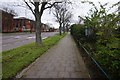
(24, 23)
(20, 23)
(16, 23)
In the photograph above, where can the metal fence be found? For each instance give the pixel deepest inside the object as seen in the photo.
(92, 64)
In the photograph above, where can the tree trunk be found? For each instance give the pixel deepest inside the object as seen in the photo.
(38, 31)
(60, 29)
(63, 27)
(38, 24)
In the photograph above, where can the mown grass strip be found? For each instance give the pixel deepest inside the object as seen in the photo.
(16, 59)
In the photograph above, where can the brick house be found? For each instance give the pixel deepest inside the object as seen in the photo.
(7, 22)
(20, 24)
(24, 24)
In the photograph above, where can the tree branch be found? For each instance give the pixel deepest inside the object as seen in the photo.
(29, 7)
(51, 5)
(32, 2)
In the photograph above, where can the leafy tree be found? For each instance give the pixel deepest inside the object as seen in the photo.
(104, 26)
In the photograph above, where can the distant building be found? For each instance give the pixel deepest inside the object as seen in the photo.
(16, 24)
(24, 24)
(7, 22)
(45, 28)
(20, 24)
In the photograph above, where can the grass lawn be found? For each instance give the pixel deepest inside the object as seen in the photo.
(13, 61)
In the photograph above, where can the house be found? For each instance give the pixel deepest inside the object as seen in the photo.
(49, 28)
(7, 22)
(24, 24)
(45, 28)
(20, 24)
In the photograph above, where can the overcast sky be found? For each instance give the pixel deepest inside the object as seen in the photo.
(78, 9)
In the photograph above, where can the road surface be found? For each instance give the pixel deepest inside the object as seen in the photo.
(13, 40)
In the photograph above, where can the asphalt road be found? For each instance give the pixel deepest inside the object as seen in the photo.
(13, 40)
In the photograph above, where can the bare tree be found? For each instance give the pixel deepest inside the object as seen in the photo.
(62, 15)
(39, 7)
(67, 18)
(58, 15)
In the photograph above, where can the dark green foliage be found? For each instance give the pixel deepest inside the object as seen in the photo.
(104, 42)
(78, 31)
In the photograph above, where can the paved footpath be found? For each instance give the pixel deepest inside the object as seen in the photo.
(61, 61)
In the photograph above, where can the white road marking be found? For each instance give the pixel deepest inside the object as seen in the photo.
(17, 37)
(44, 38)
(31, 37)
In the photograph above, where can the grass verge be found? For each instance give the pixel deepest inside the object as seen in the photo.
(16, 59)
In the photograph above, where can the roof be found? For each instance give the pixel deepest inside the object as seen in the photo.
(7, 12)
(23, 18)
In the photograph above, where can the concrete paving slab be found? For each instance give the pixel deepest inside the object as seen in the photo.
(61, 61)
